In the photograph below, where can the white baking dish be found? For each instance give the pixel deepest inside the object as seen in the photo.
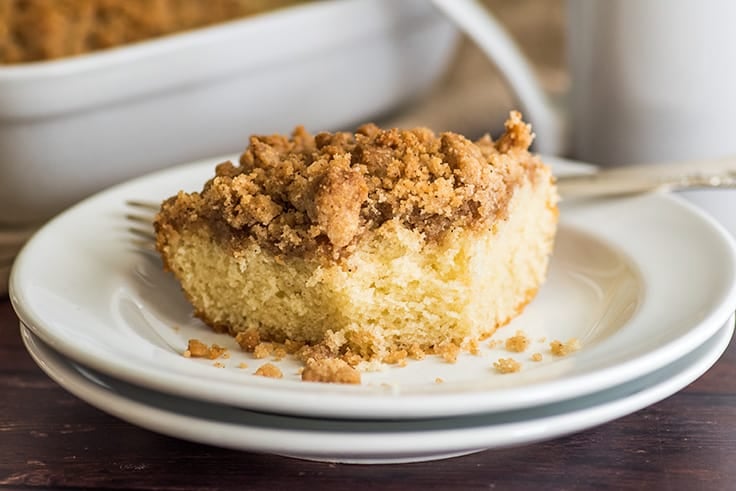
(73, 126)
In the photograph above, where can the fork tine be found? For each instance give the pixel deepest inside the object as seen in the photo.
(146, 205)
(144, 245)
(140, 224)
(143, 234)
(147, 220)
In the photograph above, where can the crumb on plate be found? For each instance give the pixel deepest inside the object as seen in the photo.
(396, 357)
(517, 343)
(449, 352)
(558, 348)
(506, 365)
(330, 370)
(269, 370)
(198, 349)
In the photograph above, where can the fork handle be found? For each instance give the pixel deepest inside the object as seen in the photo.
(646, 178)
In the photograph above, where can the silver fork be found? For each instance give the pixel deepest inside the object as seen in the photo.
(639, 179)
(140, 223)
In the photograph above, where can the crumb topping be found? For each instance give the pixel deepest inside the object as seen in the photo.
(248, 340)
(558, 348)
(263, 350)
(330, 370)
(396, 357)
(416, 352)
(448, 352)
(38, 30)
(536, 357)
(198, 349)
(506, 365)
(517, 343)
(473, 347)
(269, 370)
(315, 195)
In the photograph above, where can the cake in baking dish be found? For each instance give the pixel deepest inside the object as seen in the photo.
(39, 30)
(366, 245)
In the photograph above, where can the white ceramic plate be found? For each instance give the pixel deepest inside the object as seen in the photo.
(639, 281)
(370, 441)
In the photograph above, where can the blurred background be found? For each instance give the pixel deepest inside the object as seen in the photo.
(95, 92)
(472, 98)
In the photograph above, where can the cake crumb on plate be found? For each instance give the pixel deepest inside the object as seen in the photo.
(269, 370)
(330, 370)
(506, 365)
(198, 349)
(558, 348)
(517, 343)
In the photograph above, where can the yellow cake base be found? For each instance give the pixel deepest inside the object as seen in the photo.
(396, 291)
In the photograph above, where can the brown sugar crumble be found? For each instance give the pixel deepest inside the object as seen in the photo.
(536, 357)
(416, 352)
(198, 349)
(248, 340)
(269, 370)
(439, 380)
(330, 370)
(473, 347)
(74, 27)
(517, 343)
(559, 348)
(449, 352)
(313, 196)
(396, 357)
(263, 350)
(506, 365)
(279, 353)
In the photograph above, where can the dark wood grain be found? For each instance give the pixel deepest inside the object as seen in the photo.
(49, 438)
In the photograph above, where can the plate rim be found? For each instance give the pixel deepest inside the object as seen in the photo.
(268, 396)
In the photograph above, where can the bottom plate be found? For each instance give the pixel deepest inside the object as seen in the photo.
(369, 442)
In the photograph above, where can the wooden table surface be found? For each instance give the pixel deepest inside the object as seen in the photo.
(51, 439)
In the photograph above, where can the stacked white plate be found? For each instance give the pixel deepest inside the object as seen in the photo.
(646, 284)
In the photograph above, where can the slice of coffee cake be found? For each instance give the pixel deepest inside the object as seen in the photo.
(368, 245)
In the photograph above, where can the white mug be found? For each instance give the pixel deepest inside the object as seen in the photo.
(651, 80)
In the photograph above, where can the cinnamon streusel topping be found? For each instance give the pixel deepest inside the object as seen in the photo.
(313, 196)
